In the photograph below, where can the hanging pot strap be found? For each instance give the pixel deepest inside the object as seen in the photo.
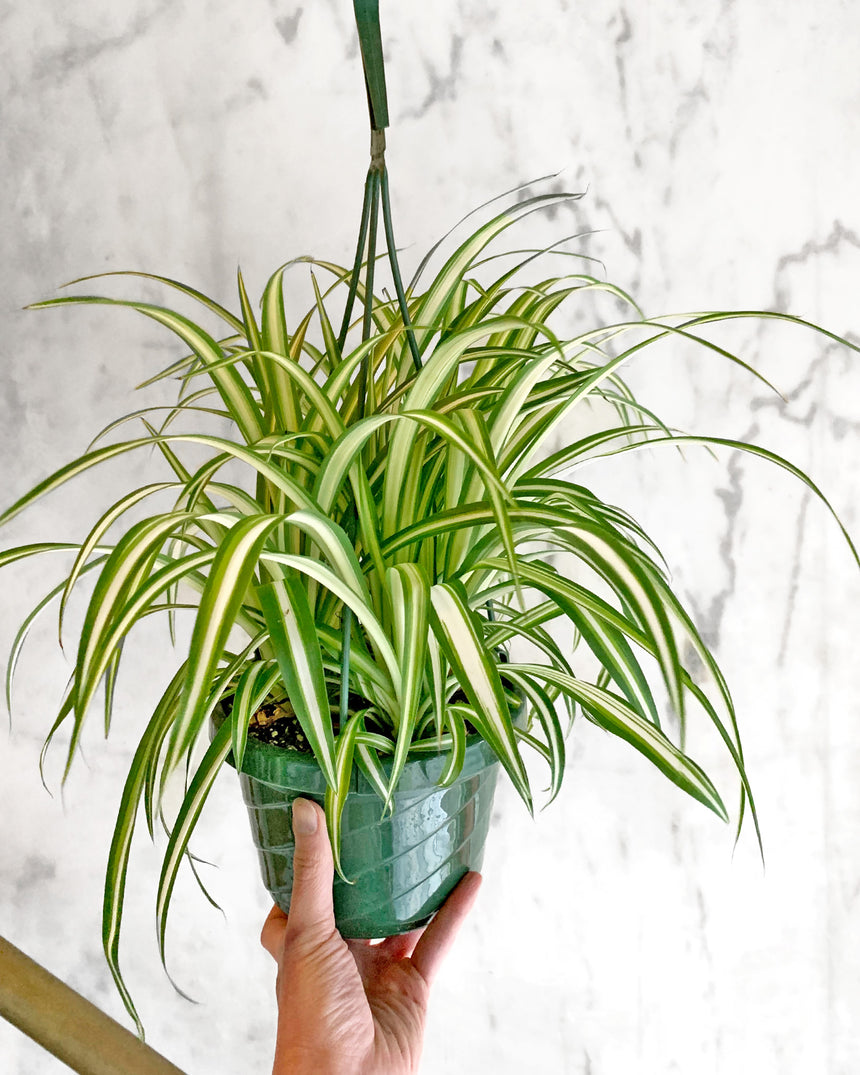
(370, 41)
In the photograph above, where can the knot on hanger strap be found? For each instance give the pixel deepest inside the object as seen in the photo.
(377, 150)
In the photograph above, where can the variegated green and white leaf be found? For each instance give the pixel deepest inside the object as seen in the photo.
(542, 705)
(462, 643)
(276, 340)
(127, 568)
(455, 720)
(336, 793)
(338, 550)
(233, 390)
(256, 460)
(97, 533)
(24, 630)
(294, 640)
(323, 574)
(230, 576)
(367, 759)
(253, 688)
(189, 813)
(145, 756)
(616, 716)
(409, 588)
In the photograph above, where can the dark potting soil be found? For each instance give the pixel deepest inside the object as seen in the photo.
(276, 723)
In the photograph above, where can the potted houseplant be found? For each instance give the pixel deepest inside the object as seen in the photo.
(397, 537)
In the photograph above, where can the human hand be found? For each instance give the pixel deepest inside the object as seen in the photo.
(350, 1007)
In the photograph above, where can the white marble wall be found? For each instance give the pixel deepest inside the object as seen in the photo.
(720, 145)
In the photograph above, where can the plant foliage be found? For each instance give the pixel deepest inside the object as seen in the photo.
(391, 511)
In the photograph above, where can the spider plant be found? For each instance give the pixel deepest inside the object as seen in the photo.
(400, 526)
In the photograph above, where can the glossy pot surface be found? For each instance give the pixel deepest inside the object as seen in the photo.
(402, 866)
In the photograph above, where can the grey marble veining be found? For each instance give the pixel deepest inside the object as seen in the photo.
(719, 145)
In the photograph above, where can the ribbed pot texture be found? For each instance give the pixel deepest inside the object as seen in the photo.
(402, 866)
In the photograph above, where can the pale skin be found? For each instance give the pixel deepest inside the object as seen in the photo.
(350, 1007)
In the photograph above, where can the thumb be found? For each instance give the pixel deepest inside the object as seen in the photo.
(311, 903)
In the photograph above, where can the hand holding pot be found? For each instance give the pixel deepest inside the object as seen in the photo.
(350, 1007)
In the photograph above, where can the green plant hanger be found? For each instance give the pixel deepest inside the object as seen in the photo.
(370, 42)
(375, 189)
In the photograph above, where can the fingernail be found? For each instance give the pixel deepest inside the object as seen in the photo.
(304, 818)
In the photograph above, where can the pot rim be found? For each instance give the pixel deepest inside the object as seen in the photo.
(281, 766)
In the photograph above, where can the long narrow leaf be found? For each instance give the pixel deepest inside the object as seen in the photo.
(253, 688)
(336, 793)
(230, 576)
(233, 390)
(297, 649)
(616, 716)
(186, 820)
(454, 626)
(410, 601)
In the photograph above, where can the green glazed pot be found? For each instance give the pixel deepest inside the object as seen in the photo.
(402, 866)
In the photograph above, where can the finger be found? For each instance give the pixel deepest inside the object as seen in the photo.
(439, 935)
(311, 903)
(272, 935)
